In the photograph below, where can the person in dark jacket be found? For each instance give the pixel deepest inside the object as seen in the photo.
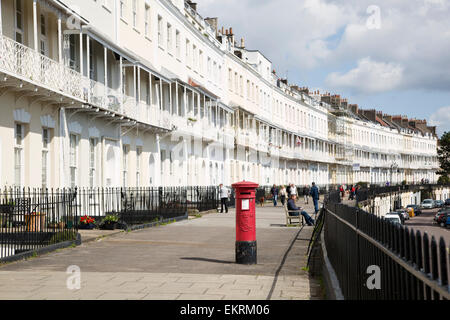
(288, 190)
(315, 196)
(306, 194)
(291, 206)
(274, 192)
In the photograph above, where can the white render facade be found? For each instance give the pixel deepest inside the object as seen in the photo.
(109, 93)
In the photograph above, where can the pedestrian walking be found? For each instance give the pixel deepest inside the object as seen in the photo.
(315, 197)
(294, 190)
(288, 190)
(224, 196)
(306, 191)
(283, 195)
(274, 191)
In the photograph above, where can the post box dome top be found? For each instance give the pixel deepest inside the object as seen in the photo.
(245, 184)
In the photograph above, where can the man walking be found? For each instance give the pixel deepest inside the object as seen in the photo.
(291, 206)
(315, 196)
(274, 191)
(224, 195)
(306, 194)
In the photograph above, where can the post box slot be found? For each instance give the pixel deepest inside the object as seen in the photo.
(246, 193)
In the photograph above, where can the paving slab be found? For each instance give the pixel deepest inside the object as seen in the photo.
(189, 260)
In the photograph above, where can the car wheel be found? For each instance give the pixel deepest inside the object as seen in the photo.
(442, 224)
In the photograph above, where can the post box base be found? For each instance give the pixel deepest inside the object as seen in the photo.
(246, 252)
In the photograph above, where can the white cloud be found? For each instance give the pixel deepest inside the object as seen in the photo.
(441, 119)
(368, 77)
(410, 48)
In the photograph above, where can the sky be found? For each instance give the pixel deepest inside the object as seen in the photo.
(389, 55)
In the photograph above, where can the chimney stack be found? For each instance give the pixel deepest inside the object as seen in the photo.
(242, 43)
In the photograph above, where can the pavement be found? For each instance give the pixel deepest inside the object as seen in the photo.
(189, 260)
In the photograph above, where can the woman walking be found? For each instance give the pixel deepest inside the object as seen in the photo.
(283, 195)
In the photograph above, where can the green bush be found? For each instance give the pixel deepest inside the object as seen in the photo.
(444, 180)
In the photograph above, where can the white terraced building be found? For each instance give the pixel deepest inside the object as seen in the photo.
(101, 93)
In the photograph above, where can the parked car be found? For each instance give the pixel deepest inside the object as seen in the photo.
(438, 204)
(393, 218)
(404, 213)
(441, 217)
(447, 223)
(416, 209)
(447, 202)
(427, 204)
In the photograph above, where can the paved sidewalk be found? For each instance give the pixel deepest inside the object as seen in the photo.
(188, 260)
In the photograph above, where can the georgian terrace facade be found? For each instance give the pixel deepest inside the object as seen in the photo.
(148, 93)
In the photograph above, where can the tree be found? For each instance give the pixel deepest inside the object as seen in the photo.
(444, 155)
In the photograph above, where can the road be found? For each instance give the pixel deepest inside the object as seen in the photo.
(425, 223)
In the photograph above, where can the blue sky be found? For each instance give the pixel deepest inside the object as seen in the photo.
(392, 55)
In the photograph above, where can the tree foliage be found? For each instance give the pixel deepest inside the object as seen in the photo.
(444, 155)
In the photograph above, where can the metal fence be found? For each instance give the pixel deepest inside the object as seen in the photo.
(35, 218)
(364, 194)
(32, 219)
(377, 260)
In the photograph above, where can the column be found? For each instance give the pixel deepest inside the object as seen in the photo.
(1, 27)
(176, 98)
(185, 102)
(121, 83)
(160, 95)
(170, 99)
(88, 62)
(158, 164)
(139, 91)
(81, 54)
(105, 54)
(60, 40)
(35, 26)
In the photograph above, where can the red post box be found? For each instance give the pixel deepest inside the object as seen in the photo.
(245, 222)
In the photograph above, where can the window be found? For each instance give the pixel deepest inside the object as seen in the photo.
(19, 21)
(72, 52)
(135, 13)
(200, 61)
(177, 43)
(45, 152)
(169, 37)
(18, 155)
(188, 53)
(194, 56)
(138, 166)
(93, 162)
(208, 68)
(122, 9)
(125, 150)
(147, 21)
(73, 160)
(43, 38)
(92, 61)
(160, 35)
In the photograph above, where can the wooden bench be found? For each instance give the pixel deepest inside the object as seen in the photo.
(300, 220)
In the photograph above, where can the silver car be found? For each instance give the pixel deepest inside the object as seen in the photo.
(427, 204)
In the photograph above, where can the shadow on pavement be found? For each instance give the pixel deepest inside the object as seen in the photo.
(209, 260)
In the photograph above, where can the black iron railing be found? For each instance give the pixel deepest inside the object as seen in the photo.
(31, 219)
(35, 218)
(374, 259)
